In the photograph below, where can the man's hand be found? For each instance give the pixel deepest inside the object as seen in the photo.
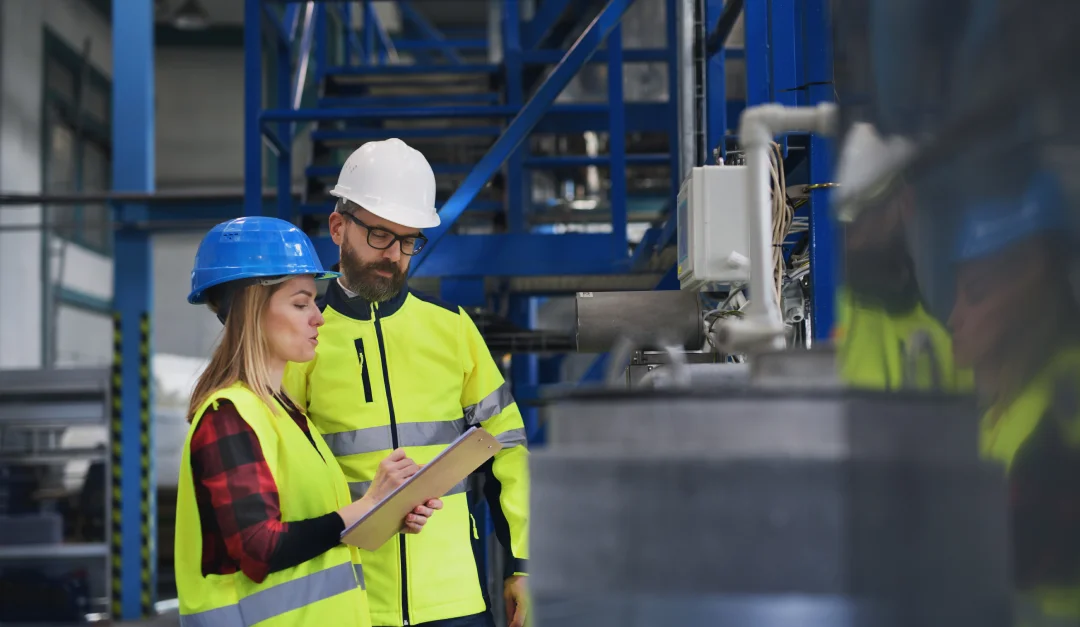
(517, 605)
(416, 520)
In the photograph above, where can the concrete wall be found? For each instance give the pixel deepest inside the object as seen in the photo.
(21, 61)
(199, 137)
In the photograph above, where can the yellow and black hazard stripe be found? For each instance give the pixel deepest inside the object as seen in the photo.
(147, 491)
(147, 522)
(116, 435)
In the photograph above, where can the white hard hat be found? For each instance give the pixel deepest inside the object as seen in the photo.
(867, 167)
(392, 180)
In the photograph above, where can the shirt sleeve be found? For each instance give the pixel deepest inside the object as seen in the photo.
(487, 401)
(228, 463)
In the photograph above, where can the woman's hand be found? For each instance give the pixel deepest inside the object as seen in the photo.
(416, 520)
(393, 470)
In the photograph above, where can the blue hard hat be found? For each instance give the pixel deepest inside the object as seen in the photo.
(992, 225)
(249, 248)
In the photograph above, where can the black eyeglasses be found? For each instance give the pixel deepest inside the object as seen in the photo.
(381, 239)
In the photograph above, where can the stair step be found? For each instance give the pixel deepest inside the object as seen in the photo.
(349, 136)
(409, 100)
(446, 71)
(331, 171)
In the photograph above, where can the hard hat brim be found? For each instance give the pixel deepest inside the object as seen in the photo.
(198, 297)
(407, 217)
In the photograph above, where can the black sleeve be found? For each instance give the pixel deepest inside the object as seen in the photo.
(307, 539)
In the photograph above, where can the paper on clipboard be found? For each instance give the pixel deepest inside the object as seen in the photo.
(451, 466)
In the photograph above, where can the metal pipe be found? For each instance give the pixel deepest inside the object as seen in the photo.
(763, 324)
(687, 127)
(649, 319)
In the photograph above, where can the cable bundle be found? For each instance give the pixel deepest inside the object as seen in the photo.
(783, 215)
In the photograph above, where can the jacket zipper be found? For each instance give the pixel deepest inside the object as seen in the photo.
(394, 441)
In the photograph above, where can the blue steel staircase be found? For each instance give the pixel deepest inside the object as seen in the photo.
(478, 124)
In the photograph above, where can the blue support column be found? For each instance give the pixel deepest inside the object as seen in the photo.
(369, 33)
(818, 74)
(253, 101)
(283, 66)
(758, 67)
(617, 143)
(322, 41)
(134, 518)
(672, 15)
(716, 121)
(515, 96)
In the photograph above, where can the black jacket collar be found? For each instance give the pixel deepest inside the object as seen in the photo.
(358, 308)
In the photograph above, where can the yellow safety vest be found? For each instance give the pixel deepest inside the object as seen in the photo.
(414, 373)
(883, 351)
(1001, 437)
(325, 590)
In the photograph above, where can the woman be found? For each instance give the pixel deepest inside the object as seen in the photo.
(261, 501)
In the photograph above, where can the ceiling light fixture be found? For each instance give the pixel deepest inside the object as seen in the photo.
(191, 16)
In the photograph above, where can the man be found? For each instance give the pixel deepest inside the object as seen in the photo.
(396, 369)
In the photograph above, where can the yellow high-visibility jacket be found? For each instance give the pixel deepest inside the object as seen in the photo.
(1037, 435)
(325, 590)
(880, 350)
(415, 373)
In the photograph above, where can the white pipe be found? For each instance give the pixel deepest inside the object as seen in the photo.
(763, 321)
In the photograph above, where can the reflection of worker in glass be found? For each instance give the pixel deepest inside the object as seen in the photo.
(1015, 323)
(885, 337)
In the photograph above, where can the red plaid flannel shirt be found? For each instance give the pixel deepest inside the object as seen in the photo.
(236, 494)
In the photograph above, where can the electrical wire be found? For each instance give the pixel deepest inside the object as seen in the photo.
(783, 215)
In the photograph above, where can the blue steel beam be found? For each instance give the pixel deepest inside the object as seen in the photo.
(360, 134)
(824, 253)
(520, 127)
(534, 31)
(408, 100)
(561, 118)
(280, 32)
(423, 44)
(429, 31)
(633, 55)
(134, 530)
(716, 120)
(758, 68)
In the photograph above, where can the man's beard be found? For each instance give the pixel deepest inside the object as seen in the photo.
(363, 279)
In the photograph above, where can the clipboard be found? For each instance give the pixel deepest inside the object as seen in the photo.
(451, 466)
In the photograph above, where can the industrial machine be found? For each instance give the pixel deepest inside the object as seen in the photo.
(920, 468)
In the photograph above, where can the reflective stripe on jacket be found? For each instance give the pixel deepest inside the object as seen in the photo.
(325, 590)
(414, 373)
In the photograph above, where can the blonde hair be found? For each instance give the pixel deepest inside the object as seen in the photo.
(243, 353)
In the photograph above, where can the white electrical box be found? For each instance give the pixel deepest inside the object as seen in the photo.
(713, 235)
